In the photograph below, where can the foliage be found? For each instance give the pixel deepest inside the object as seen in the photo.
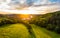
(49, 21)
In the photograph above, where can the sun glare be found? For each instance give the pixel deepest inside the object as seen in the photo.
(25, 16)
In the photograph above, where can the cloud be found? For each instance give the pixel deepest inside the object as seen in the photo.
(46, 9)
(44, 6)
(44, 2)
(24, 3)
(33, 10)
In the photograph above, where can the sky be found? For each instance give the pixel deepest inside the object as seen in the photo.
(29, 6)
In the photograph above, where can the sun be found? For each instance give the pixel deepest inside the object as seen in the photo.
(25, 16)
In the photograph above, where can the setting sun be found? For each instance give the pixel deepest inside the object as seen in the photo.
(25, 16)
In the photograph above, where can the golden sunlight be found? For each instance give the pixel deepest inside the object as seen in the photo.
(25, 16)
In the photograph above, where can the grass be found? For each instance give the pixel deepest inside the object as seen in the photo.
(14, 31)
(21, 31)
(39, 33)
(43, 33)
(51, 33)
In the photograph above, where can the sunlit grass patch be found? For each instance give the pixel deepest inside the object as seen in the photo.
(51, 33)
(21, 31)
(14, 31)
(39, 33)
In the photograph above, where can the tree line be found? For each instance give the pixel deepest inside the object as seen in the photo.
(50, 21)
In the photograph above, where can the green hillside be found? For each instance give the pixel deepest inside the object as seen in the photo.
(14, 31)
(21, 31)
(39, 26)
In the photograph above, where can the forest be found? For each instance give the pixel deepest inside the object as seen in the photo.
(49, 21)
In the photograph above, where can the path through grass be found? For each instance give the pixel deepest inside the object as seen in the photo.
(21, 31)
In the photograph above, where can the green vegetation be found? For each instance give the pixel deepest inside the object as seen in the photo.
(21, 31)
(40, 26)
(50, 33)
(50, 21)
(14, 31)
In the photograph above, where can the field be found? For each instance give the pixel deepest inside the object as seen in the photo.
(21, 31)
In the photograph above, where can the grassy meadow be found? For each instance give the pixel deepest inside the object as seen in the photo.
(21, 31)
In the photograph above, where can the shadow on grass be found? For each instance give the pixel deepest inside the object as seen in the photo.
(5, 25)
